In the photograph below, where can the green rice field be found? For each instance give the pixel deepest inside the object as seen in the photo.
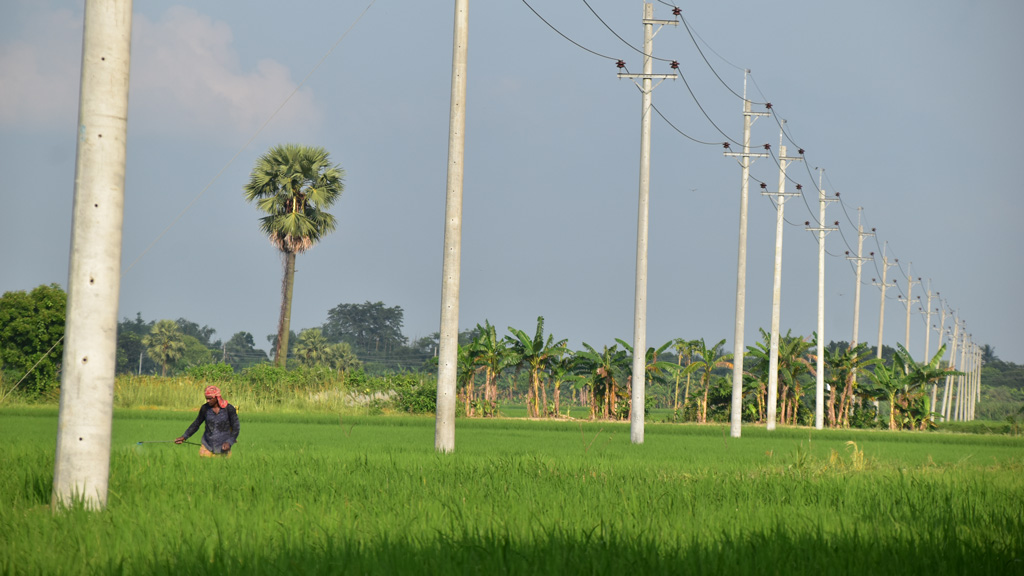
(330, 494)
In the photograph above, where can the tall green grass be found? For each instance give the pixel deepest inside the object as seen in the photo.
(314, 493)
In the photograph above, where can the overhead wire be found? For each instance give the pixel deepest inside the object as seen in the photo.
(252, 138)
(559, 32)
(673, 126)
(623, 40)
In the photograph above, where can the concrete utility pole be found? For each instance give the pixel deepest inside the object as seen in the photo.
(947, 391)
(859, 259)
(975, 379)
(741, 266)
(82, 461)
(927, 311)
(940, 328)
(972, 393)
(909, 303)
(881, 308)
(958, 413)
(636, 421)
(822, 230)
(447, 364)
(773, 354)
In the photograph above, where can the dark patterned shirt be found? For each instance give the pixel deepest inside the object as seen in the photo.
(221, 427)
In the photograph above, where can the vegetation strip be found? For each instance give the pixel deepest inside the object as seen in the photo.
(323, 494)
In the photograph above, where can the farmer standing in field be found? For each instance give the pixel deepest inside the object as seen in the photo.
(222, 426)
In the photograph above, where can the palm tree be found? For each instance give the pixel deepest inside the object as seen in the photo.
(710, 359)
(293, 185)
(536, 354)
(311, 347)
(165, 344)
(340, 357)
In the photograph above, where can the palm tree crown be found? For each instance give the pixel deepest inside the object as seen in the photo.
(294, 185)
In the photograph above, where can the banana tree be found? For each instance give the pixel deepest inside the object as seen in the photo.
(536, 354)
(494, 356)
(843, 366)
(684, 349)
(603, 372)
(654, 369)
(913, 401)
(886, 383)
(710, 359)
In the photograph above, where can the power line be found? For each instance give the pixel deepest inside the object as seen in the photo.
(559, 32)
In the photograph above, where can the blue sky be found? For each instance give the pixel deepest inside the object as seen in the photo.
(907, 107)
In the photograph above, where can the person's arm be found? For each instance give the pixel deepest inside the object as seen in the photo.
(235, 426)
(194, 426)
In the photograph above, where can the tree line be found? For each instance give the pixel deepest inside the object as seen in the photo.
(689, 377)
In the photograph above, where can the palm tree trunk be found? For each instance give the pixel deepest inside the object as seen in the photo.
(284, 322)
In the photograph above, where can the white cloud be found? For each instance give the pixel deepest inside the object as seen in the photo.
(39, 73)
(186, 78)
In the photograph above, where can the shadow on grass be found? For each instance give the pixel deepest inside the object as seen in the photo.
(749, 554)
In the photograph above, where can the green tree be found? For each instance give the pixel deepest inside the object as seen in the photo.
(131, 354)
(684, 349)
(495, 356)
(31, 335)
(604, 373)
(311, 347)
(886, 383)
(293, 185)
(200, 333)
(654, 370)
(241, 351)
(165, 344)
(843, 364)
(913, 400)
(341, 358)
(709, 360)
(795, 360)
(195, 353)
(369, 327)
(536, 354)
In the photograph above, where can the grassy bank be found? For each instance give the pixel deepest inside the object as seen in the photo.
(329, 494)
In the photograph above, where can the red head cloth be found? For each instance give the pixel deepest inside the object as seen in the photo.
(215, 393)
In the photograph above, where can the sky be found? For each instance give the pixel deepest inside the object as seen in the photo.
(905, 109)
